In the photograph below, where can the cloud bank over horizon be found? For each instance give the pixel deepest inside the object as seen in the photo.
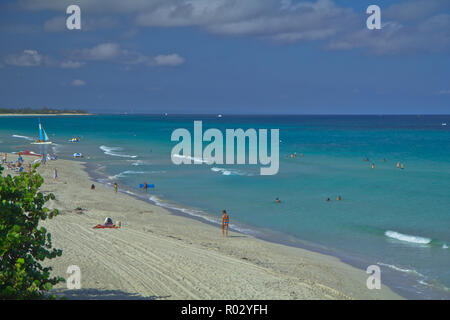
(310, 56)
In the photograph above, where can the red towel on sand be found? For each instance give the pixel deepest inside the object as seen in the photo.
(101, 226)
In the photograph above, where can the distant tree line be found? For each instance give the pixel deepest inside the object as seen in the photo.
(44, 110)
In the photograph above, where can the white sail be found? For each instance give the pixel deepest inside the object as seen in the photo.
(45, 135)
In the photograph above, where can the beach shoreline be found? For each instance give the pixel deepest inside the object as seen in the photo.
(157, 254)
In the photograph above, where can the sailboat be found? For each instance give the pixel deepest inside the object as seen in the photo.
(43, 138)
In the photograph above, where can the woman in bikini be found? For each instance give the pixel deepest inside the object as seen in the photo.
(225, 222)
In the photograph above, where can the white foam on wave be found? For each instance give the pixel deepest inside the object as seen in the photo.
(406, 237)
(112, 151)
(393, 267)
(23, 137)
(124, 173)
(138, 162)
(229, 172)
(190, 158)
(130, 172)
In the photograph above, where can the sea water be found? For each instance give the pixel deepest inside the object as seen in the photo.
(398, 219)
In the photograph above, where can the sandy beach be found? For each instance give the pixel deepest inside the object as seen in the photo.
(159, 255)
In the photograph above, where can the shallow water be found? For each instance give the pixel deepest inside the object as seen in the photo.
(397, 218)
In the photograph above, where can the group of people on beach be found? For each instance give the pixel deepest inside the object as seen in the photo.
(13, 165)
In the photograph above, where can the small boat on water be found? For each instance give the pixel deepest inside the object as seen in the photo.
(444, 123)
(77, 155)
(74, 140)
(43, 138)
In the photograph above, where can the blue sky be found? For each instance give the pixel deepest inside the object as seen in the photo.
(227, 56)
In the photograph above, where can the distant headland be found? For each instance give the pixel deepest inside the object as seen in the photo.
(42, 112)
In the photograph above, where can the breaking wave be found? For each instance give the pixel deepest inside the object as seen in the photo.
(112, 151)
(406, 237)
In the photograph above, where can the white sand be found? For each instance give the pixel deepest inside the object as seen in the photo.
(158, 255)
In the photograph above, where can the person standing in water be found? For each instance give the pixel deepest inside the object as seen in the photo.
(145, 186)
(225, 222)
(115, 187)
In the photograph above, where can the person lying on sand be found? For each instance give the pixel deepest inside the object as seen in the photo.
(108, 224)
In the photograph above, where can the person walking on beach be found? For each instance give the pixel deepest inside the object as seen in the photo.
(29, 169)
(115, 187)
(225, 222)
(55, 173)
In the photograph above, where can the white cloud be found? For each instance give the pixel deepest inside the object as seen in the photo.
(431, 35)
(103, 51)
(114, 53)
(409, 25)
(168, 60)
(69, 64)
(58, 23)
(444, 92)
(27, 58)
(415, 9)
(78, 83)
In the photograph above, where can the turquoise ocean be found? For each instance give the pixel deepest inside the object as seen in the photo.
(398, 219)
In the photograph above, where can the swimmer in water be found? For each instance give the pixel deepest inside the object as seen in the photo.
(373, 165)
(328, 199)
(339, 198)
(277, 200)
(398, 165)
(402, 166)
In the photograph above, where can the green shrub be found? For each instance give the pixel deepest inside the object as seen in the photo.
(23, 244)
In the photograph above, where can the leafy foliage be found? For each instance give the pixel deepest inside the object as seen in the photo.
(23, 244)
